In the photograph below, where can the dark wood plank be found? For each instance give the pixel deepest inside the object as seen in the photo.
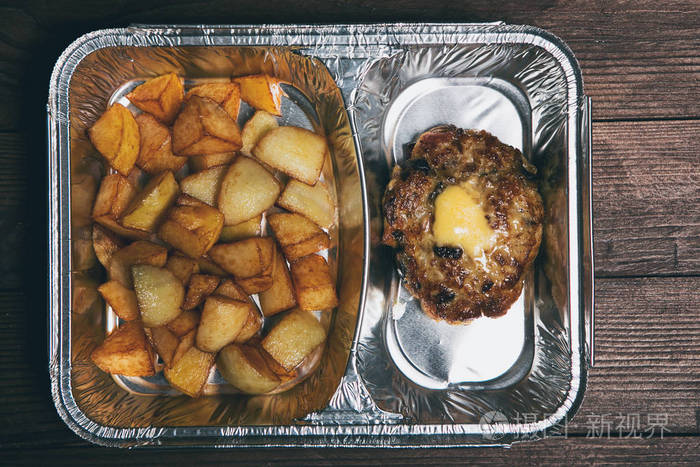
(646, 198)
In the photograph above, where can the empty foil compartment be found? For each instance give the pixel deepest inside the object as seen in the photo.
(391, 376)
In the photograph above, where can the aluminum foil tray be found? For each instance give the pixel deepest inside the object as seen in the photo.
(390, 376)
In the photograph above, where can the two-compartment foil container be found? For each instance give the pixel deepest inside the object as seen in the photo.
(389, 376)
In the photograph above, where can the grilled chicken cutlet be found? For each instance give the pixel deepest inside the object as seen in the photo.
(465, 218)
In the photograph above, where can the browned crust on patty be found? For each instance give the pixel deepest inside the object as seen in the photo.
(450, 284)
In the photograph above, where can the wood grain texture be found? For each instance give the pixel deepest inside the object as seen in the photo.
(646, 198)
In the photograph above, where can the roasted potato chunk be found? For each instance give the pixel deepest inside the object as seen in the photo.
(84, 296)
(250, 261)
(120, 299)
(247, 190)
(251, 327)
(114, 196)
(184, 323)
(246, 229)
(262, 92)
(190, 372)
(230, 289)
(207, 161)
(204, 185)
(126, 351)
(159, 294)
(204, 128)
(187, 200)
(192, 230)
(315, 289)
(83, 189)
(207, 266)
(245, 369)
(298, 152)
(221, 322)
(280, 296)
(227, 95)
(297, 235)
(149, 206)
(294, 337)
(183, 267)
(200, 287)
(160, 97)
(105, 243)
(253, 324)
(139, 252)
(156, 150)
(186, 342)
(165, 343)
(313, 202)
(255, 128)
(116, 136)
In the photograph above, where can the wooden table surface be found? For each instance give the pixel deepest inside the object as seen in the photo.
(641, 66)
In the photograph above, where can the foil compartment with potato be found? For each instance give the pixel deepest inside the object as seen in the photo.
(370, 89)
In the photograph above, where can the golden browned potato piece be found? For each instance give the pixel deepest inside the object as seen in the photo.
(298, 152)
(156, 151)
(105, 243)
(204, 185)
(230, 289)
(248, 189)
(245, 369)
(183, 267)
(150, 205)
(255, 128)
(204, 128)
(83, 188)
(199, 288)
(207, 161)
(116, 136)
(221, 322)
(253, 324)
(114, 196)
(186, 342)
(125, 351)
(250, 261)
(187, 200)
(165, 343)
(160, 97)
(227, 95)
(280, 296)
(192, 229)
(159, 294)
(251, 327)
(246, 229)
(184, 323)
(262, 92)
(294, 337)
(120, 299)
(207, 266)
(190, 372)
(84, 296)
(139, 252)
(313, 202)
(297, 235)
(315, 289)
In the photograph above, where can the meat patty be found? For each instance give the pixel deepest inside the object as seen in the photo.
(453, 284)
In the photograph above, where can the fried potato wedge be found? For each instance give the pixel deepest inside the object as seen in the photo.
(315, 289)
(204, 128)
(120, 299)
(165, 344)
(297, 235)
(313, 202)
(204, 185)
(246, 229)
(114, 196)
(253, 324)
(150, 205)
(84, 295)
(245, 369)
(298, 152)
(294, 337)
(280, 296)
(156, 150)
(251, 327)
(186, 342)
(192, 229)
(183, 267)
(187, 200)
(262, 92)
(250, 261)
(199, 288)
(160, 97)
(190, 372)
(207, 266)
(227, 95)
(255, 128)
(247, 190)
(184, 323)
(116, 136)
(230, 289)
(159, 294)
(139, 252)
(83, 189)
(221, 322)
(126, 351)
(105, 243)
(207, 161)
